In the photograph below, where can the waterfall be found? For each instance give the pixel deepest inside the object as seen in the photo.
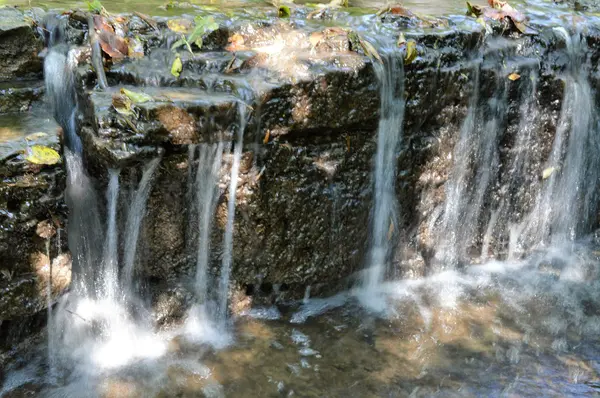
(476, 162)
(228, 239)
(111, 254)
(567, 199)
(137, 211)
(209, 164)
(385, 212)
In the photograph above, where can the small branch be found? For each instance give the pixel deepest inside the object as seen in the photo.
(77, 315)
(96, 53)
(152, 23)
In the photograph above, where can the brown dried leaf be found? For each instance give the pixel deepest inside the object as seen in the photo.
(45, 229)
(514, 76)
(315, 38)
(267, 136)
(236, 42)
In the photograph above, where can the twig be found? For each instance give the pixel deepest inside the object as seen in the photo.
(152, 23)
(77, 315)
(96, 54)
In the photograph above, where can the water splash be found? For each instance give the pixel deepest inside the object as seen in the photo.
(385, 210)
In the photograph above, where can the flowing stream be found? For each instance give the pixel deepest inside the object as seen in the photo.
(509, 306)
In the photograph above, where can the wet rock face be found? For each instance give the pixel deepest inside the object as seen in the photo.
(19, 46)
(312, 104)
(33, 215)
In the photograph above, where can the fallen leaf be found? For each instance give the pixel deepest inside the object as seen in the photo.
(39, 154)
(411, 52)
(315, 38)
(402, 11)
(401, 40)
(236, 42)
(514, 76)
(135, 48)
(390, 233)
(122, 105)
(367, 47)
(112, 44)
(137, 98)
(284, 12)
(548, 172)
(177, 67)
(179, 25)
(267, 135)
(45, 229)
(35, 136)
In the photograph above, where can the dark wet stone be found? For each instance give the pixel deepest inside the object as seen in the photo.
(19, 46)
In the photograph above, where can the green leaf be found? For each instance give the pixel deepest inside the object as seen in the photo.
(284, 12)
(204, 25)
(177, 67)
(178, 43)
(94, 6)
(137, 98)
(411, 52)
(39, 154)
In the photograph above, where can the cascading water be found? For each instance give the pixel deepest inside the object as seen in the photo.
(135, 216)
(475, 164)
(111, 255)
(209, 164)
(566, 203)
(509, 318)
(385, 209)
(227, 262)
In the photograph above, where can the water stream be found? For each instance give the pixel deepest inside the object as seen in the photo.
(385, 209)
(523, 323)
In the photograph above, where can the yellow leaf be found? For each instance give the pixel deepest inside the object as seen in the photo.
(548, 172)
(267, 135)
(514, 76)
(39, 154)
(177, 67)
(179, 25)
(411, 52)
(138, 98)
